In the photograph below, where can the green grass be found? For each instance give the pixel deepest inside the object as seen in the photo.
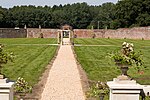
(112, 42)
(98, 66)
(30, 60)
(28, 41)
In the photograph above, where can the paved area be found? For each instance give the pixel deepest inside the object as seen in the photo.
(63, 82)
(66, 41)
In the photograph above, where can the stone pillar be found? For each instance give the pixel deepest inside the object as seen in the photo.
(124, 90)
(72, 37)
(25, 26)
(69, 37)
(58, 41)
(146, 89)
(6, 90)
(39, 26)
(61, 37)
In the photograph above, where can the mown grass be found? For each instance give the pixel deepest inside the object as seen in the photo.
(30, 60)
(28, 41)
(112, 42)
(98, 66)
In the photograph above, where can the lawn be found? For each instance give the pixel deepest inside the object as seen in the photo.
(30, 60)
(15, 41)
(92, 55)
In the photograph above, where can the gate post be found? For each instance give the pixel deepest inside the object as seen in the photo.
(6, 90)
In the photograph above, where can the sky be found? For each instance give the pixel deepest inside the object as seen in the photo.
(11, 3)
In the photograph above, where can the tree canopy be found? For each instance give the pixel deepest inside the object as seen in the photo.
(125, 13)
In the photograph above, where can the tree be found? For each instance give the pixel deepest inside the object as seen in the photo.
(105, 16)
(133, 12)
(126, 13)
(2, 16)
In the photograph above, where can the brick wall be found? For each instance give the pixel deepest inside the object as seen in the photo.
(33, 32)
(12, 33)
(47, 33)
(130, 33)
(83, 33)
(88, 33)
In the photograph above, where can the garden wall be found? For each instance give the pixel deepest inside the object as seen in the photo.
(13, 33)
(47, 33)
(88, 33)
(83, 33)
(130, 33)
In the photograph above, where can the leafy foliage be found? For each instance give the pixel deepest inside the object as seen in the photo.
(5, 57)
(97, 89)
(127, 55)
(22, 86)
(133, 13)
(125, 13)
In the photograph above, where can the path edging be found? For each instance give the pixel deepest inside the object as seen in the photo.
(39, 87)
(82, 73)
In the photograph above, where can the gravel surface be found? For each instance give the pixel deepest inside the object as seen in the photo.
(63, 82)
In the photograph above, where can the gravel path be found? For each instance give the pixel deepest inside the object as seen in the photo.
(63, 82)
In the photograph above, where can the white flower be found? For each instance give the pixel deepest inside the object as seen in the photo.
(97, 85)
(19, 78)
(131, 49)
(124, 43)
(131, 44)
(127, 45)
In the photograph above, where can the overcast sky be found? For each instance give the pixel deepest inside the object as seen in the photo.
(11, 3)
